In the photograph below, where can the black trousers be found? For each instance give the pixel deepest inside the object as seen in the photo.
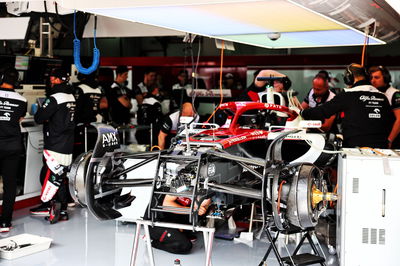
(61, 195)
(170, 240)
(9, 163)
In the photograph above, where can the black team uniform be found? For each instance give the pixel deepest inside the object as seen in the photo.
(12, 107)
(88, 96)
(367, 115)
(57, 117)
(149, 113)
(119, 114)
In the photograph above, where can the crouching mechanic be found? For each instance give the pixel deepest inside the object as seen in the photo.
(57, 117)
(176, 241)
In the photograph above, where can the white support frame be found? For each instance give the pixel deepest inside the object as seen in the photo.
(208, 235)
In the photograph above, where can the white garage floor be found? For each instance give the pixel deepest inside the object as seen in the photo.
(83, 240)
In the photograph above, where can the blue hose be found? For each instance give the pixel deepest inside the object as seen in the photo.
(77, 52)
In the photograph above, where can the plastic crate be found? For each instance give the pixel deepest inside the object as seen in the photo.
(38, 243)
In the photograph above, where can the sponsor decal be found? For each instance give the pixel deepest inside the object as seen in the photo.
(7, 103)
(372, 115)
(109, 139)
(237, 139)
(376, 113)
(5, 117)
(272, 105)
(370, 98)
(211, 169)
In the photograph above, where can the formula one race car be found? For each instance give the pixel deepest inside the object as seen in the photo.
(260, 155)
(260, 142)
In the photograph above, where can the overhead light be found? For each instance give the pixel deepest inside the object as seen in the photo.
(395, 4)
(13, 28)
(227, 45)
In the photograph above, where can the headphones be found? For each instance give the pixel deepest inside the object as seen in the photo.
(286, 83)
(387, 78)
(348, 77)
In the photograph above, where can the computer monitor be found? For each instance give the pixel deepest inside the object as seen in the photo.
(21, 62)
(40, 101)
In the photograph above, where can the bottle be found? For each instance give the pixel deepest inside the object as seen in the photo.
(177, 262)
(34, 108)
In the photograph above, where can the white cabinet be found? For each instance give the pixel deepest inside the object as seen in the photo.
(369, 208)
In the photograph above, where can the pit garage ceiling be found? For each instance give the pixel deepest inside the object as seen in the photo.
(246, 22)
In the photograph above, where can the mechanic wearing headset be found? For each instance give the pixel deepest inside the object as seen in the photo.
(12, 110)
(57, 117)
(281, 85)
(367, 116)
(381, 79)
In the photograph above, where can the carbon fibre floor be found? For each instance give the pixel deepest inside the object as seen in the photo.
(83, 240)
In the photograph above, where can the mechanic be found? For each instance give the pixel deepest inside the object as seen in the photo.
(179, 89)
(149, 113)
(149, 81)
(281, 84)
(90, 100)
(175, 241)
(250, 94)
(119, 98)
(57, 116)
(90, 104)
(171, 123)
(367, 115)
(381, 79)
(13, 108)
(320, 94)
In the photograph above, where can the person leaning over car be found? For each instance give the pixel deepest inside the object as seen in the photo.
(367, 114)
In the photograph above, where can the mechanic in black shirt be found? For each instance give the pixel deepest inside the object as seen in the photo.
(367, 116)
(12, 110)
(149, 81)
(90, 100)
(120, 98)
(381, 79)
(90, 103)
(149, 113)
(170, 125)
(57, 117)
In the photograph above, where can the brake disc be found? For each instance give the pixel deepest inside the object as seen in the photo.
(302, 209)
(77, 178)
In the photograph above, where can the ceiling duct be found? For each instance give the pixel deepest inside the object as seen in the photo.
(381, 19)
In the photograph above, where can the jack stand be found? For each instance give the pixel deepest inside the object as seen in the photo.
(294, 259)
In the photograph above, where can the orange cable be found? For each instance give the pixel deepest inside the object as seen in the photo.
(279, 195)
(364, 49)
(220, 81)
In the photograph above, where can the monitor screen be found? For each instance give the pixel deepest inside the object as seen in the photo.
(21, 62)
(40, 101)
